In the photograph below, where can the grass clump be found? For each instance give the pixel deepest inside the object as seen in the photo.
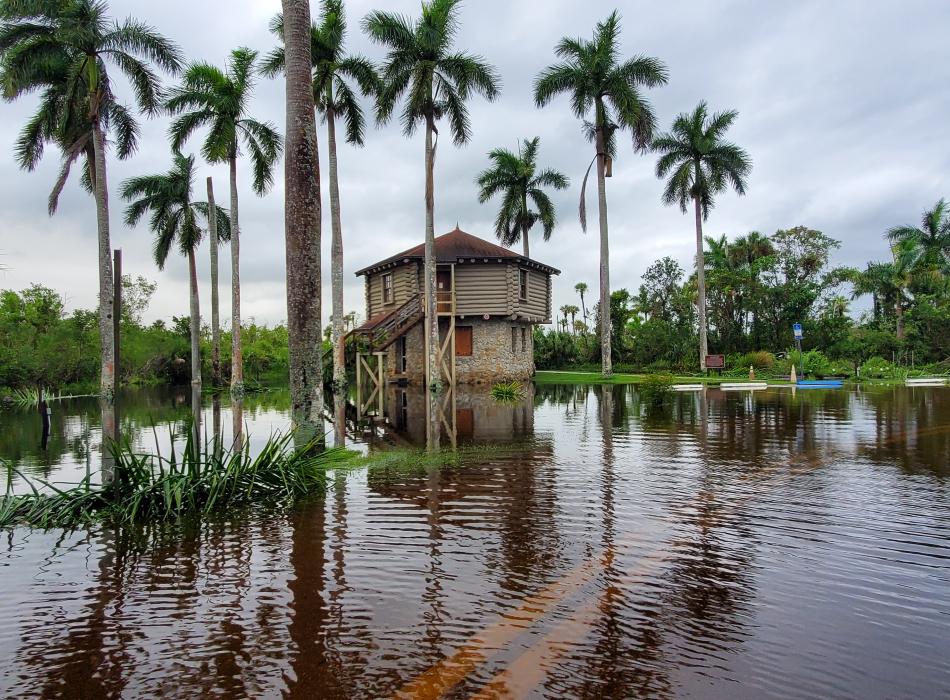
(149, 487)
(507, 391)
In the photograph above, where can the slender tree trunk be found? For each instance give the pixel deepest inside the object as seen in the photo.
(432, 318)
(899, 313)
(701, 286)
(108, 369)
(336, 260)
(215, 308)
(302, 227)
(237, 356)
(524, 224)
(195, 320)
(606, 361)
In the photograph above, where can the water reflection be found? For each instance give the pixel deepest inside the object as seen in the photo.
(736, 545)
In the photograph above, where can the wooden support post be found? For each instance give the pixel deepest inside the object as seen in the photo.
(117, 309)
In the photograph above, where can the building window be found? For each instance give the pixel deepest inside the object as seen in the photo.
(523, 285)
(388, 288)
(514, 339)
(524, 339)
(463, 341)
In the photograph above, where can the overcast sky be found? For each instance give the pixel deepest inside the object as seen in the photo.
(844, 107)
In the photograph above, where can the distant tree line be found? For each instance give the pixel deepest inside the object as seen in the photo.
(758, 286)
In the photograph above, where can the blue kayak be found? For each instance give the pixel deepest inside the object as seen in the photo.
(820, 384)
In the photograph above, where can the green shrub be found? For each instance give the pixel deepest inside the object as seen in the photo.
(759, 359)
(879, 368)
(655, 388)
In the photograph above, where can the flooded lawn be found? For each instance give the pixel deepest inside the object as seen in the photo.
(731, 545)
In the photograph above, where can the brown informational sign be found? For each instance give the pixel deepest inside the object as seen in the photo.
(715, 361)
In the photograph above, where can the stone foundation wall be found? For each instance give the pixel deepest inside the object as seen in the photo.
(494, 357)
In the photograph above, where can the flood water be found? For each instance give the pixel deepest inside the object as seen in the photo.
(729, 545)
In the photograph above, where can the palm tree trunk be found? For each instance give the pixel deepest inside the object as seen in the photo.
(195, 321)
(431, 318)
(215, 308)
(237, 357)
(195, 353)
(701, 286)
(524, 224)
(302, 228)
(899, 312)
(336, 260)
(606, 361)
(108, 369)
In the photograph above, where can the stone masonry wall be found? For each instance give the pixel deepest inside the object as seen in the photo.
(492, 360)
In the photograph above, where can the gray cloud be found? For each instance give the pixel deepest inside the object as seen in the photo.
(842, 106)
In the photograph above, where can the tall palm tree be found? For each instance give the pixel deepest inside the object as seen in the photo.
(334, 97)
(516, 178)
(929, 244)
(581, 289)
(436, 81)
(219, 100)
(67, 49)
(592, 74)
(302, 225)
(174, 221)
(700, 164)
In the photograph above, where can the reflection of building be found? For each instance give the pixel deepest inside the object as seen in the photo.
(489, 299)
(473, 416)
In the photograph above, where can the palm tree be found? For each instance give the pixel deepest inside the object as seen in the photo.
(219, 99)
(515, 176)
(930, 244)
(174, 221)
(700, 164)
(333, 97)
(66, 49)
(596, 81)
(889, 283)
(581, 289)
(302, 226)
(572, 311)
(436, 80)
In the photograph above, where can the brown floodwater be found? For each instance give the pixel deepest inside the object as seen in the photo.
(728, 545)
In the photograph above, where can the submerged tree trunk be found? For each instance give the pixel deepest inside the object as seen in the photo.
(195, 320)
(606, 361)
(336, 260)
(107, 374)
(237, 356)
(701, 286)
(302, 227)
(215, 308)
(431, 318)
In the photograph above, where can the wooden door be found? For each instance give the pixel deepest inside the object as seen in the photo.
(443, 294)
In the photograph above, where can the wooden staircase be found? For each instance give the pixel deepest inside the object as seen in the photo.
(393, 326)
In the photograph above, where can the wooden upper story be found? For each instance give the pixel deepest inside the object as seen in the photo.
(475, 278)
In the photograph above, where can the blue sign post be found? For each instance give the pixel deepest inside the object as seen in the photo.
(797, 330)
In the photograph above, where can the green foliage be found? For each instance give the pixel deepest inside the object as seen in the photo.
(507, 391)
(44, 346)
(655, 388)
(759, 360)
(879, 368)
(516, 178)
(198, 481)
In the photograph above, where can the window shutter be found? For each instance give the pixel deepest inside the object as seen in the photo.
(463, 341)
